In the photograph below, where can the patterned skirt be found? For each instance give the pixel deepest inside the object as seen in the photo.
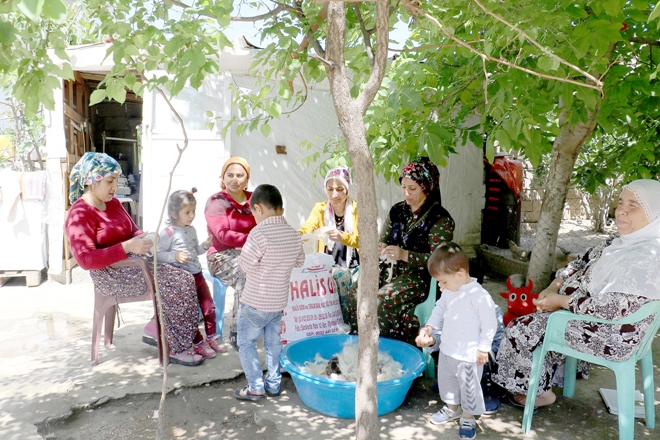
(224, 266)
(177, 290)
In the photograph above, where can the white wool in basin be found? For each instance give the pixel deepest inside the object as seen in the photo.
(344, 365)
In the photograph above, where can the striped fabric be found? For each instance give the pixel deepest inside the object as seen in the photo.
(271, 251)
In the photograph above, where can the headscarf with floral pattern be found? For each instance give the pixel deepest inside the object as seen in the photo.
(425, 173)
(91, 168)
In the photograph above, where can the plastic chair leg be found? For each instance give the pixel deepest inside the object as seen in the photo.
(625, 390)
(219, 294)
(538, 357)
(429, 372)
(570, 373)
(109, 325)
(649, 388)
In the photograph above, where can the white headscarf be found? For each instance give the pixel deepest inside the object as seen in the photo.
(342, 175)
(631, 264)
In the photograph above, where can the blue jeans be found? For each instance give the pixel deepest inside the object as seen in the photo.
(252, 323)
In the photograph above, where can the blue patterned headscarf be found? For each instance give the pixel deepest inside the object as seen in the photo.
(91, 168)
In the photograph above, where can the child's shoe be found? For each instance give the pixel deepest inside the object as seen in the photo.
(273, 393)
(468, 428)
(445, 415)
(203, 349)
(216, 344)
(233, 339)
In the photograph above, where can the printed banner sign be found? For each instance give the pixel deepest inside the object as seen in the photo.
(313, 307)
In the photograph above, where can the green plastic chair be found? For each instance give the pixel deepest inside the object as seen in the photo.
(423, 313)
(624, 371)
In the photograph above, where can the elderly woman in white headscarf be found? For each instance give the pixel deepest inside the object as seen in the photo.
(338, 215)
(610, 281)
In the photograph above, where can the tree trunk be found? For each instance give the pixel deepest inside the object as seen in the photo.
(350, 115)
(564, 153)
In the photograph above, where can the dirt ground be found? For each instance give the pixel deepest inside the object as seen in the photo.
(46, 383)
(211, 412)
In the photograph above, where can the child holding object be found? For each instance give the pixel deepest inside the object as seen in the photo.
(466, 313)
(273, 248)
(178, 245)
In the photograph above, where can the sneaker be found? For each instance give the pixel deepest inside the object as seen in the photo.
(445, 415)
(468, 428)
(492, 405)
(273, 393)
(233, 339)
(203, 349)
(216, 344)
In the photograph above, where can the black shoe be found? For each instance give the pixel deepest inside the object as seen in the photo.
(233, 340)
(272, 394)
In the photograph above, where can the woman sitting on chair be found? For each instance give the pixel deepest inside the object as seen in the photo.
(102, 233)
(412, 230)
(610, 281)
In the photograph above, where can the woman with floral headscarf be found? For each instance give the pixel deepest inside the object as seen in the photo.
(610, 281)
(102, 233)
(229, 220)
(410, 234)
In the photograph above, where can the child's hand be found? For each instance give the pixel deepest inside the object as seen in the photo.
(182, 257)
(208, 242)
(424, 338)
(482, 357)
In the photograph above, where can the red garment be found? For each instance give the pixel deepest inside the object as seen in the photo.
(96, 236)
(228, 221)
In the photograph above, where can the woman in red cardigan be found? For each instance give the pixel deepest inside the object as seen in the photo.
(102, 233)
(229, 221)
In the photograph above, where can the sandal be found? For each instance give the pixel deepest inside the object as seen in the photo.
(245, 394)
(186, 358)
(150, 335)
(510, 400)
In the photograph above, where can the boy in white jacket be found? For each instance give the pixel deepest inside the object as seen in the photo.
(466, 314)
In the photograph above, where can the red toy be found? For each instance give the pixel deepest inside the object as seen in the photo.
(519, 301)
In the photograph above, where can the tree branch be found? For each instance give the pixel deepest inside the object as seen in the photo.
(431, 46)
(414, 10)
(323, 15)
(649, 41)
(273, 12)
(596, 81)
(380, 60)
(365, 35)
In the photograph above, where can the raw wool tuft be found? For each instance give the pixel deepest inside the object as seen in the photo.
(344, 365)
(310, 241)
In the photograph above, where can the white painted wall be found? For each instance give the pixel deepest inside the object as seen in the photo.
(461, 180)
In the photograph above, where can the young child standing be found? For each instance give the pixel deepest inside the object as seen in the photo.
(178, 245)
(271, 251)
(466, 313)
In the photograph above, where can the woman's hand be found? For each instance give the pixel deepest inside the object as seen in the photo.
(424, 338)
(335, 234)
(395, 253)
(182, 257)
(550, 302)
(138, 244)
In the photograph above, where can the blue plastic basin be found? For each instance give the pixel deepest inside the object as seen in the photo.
(337, 398)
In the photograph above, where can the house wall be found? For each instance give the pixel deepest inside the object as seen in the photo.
(200, 166)
(315, 121)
